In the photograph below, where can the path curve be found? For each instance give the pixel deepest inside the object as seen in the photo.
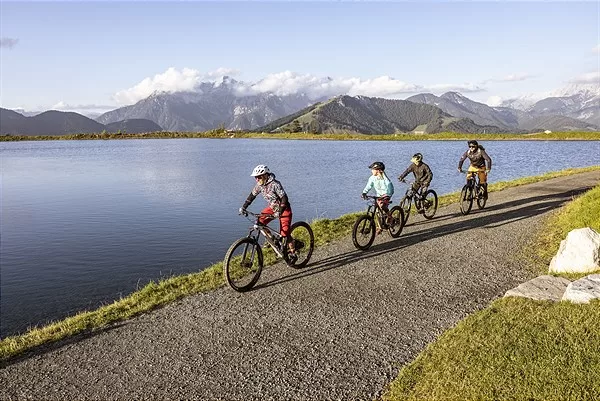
(339, 329)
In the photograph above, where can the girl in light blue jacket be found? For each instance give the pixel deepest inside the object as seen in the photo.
(384, 189)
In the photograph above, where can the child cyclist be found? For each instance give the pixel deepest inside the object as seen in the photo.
(384, 189)
(278, 205)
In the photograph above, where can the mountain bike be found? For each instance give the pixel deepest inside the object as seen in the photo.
(426, 205)
(243, 261)
(364, 230)
(470, 191)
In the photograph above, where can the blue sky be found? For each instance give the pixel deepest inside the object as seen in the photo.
(86, 55)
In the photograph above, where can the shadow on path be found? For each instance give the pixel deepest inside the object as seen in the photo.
(515, 210)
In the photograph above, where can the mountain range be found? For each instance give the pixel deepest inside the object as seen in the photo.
(61, 123)
(371, 115)
(220, 104)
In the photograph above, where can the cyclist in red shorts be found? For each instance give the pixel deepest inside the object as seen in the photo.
(278, 205)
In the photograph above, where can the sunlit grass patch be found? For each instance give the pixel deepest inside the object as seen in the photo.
(516, 349)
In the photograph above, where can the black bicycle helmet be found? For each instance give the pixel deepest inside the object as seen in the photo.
(417, 157)
(473, 143)
(377, 166)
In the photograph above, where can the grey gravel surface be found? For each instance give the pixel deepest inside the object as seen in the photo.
(338, 330)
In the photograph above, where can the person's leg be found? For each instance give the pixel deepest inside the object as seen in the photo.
(285, 221)
(266, 219)
(483, 181)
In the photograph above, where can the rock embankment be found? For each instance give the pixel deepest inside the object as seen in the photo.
(339, 329)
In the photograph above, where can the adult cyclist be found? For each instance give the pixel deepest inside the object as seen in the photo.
(422, 173)
(481, 163)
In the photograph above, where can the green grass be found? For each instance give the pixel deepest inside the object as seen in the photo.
(583, 212)
(156, 294)
(517, 349)
(340, 136)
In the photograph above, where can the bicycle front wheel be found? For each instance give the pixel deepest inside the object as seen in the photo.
(466, 200)
(304, 244)
(397, 223)
(363, 232)
(243, 264)
(430, 204)
(406, 204)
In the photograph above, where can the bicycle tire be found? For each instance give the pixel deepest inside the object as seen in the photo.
(395, 229)
(406, 204)
(481, 201)
(363, 232)
(430, 198)
(302, 233)
(239, 275)
(466, 200)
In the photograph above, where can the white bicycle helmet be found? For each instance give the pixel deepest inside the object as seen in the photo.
(260, 170)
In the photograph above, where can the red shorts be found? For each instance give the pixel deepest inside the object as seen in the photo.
(285, 219)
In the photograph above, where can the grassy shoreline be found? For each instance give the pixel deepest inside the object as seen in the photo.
(341, 136)
(157, 294)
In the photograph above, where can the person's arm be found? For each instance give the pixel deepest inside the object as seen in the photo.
(368, 186)
(487, 159)
(406, 172)
(461, 161)
(428, 176)
(283, 198)
(249, 200)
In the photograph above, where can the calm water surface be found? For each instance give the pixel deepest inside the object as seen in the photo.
(86, 222)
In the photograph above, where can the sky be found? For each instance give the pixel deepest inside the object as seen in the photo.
(83, 55)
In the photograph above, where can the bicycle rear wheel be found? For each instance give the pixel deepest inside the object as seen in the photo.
(363, 232)
(430, 204)
(397, 224)
(304, 244)
(466, 200)
(243, 264)
(406, 204)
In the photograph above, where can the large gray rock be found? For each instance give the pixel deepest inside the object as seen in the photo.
(578, 253)
(543, 288)
(582, 291)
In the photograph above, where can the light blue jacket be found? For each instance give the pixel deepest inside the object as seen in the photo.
(382, 185)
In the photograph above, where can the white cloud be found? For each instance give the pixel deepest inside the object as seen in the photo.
(494, 101)
(515, 77)
(8, 43)
(85, 109)
(588, 78)
(284, 83)
(596, 49)
(172, 80)
(288, 82)
(463, 88)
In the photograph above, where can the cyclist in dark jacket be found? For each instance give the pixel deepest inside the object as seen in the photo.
(478, 158)
(422, 173)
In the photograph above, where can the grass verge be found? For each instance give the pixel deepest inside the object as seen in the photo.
(517, 348)
(337, 136)
(154, 295)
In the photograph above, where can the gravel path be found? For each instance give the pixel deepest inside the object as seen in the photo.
(339, 329)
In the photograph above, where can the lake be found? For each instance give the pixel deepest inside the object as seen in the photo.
(86, 222)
